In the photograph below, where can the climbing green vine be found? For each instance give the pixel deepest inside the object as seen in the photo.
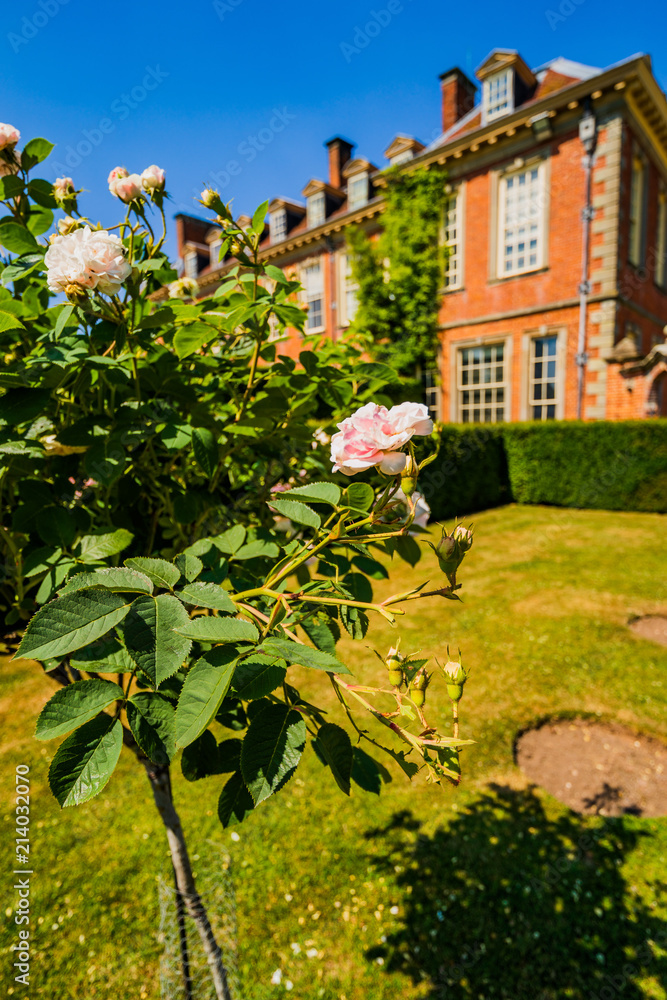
(400, 274)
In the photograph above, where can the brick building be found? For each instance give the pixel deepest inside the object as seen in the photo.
(555, 296)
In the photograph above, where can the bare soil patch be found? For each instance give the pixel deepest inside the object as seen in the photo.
(653, 627)
(595, 768)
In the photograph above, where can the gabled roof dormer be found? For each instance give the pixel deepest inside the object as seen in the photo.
(284, 215)
(321, 200)
(506, 82)
(402, 149)
(357, 173)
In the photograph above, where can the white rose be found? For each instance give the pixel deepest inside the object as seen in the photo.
(92, 259)
(152, 178)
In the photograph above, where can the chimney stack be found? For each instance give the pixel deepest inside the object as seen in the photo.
(458, 96)
(340, 152)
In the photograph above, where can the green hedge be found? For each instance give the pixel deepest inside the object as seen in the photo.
(610, 465)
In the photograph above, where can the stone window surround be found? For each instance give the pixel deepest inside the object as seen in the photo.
(507, 340)
(560, 332)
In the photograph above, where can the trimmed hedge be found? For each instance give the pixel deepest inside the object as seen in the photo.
(609, 465)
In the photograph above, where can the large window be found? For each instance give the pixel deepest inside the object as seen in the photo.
(497, 95)
(347, 292)
(521, 221)
(453, 234)
(637, 196)
(278, 225)
(543, 378)
(481, 384)
(314, 289)
(357, 191)
(316, 206)
(661, 249)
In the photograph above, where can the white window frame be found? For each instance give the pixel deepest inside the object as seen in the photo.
(433, 389)
(661, 243)
(214, 252)
(498, 95)
(537, 215)
(402, 157)
(347, 290)
(353, 184)
(453, 237)
(312, 279)
(190, 264)
(278, 225)
(539, 383)
(465, 367)
(637, 214)
(317, 209)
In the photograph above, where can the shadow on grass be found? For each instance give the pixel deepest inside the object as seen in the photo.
(507, 903)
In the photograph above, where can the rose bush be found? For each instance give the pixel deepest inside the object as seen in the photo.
(142, 441)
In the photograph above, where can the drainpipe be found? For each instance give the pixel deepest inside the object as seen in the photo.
(588, 136)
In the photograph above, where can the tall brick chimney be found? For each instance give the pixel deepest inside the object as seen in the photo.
(340, 151)
(458, 96)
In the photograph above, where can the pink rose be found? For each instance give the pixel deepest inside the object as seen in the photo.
(9, 135)
(63, 186)
(127, 188)
(152, 178)
(115, 175)
(374, 436)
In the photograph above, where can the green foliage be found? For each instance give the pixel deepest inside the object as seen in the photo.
(400, 275)
(470, 472)
(613, 465)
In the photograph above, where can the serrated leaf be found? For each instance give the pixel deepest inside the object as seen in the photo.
(10, 322)
(104, 544)
(192, 337)
(63, 316)
(315, 492)
(359, 496)
(151, 637)
(71, 622)
(272, 749)
(305, 656)
(75, 704)
(152, 719)
(258, 675)
(103, 657)
(84, 763)
(56, 526)
(230, 541)
(235, 801)
(257, 549)
(203, 692)
(205, 757)
(17, 238)
(209, 629)
(189, 566)
(205, 449)
(207, 595)
(297, 512)
(118, 580)
(162, 573)
(334, 745)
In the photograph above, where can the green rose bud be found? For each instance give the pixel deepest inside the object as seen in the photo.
(456, 677)
(394, 661)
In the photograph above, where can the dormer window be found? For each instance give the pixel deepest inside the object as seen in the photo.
(403, 157)
(498, 94)
(316, 204)
(357, 191)
(278, 225)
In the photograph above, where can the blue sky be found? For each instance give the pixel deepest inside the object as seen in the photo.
(200, 85)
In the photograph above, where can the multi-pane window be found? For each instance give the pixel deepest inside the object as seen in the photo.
(348, 291)
(481, 384)
(521, 229)
(190, 264)
(313, 281)
(543, 384)
(452, 234)
(498, 97)
(357, 191)
(637, 228)
(316, 205)
(432, 392)
(278, 225)
(661, 250)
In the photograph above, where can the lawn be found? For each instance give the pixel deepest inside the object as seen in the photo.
(492, 890)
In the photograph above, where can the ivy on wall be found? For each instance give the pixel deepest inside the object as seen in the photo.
(400, 274)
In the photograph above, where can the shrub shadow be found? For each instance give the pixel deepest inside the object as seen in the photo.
(507, 903)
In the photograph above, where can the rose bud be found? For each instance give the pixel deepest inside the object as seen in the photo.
(211, 199)
(463, 536)
(394, 661)
(127, 188)
(67, 225)
(9, 136)
(419, 686)
(152, 178)
(456, 677)
(63, 187)
(116, 174)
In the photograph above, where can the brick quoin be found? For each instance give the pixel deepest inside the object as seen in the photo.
(626, 310)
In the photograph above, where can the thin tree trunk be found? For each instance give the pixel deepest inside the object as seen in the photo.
(183, 943)
(158, 776)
